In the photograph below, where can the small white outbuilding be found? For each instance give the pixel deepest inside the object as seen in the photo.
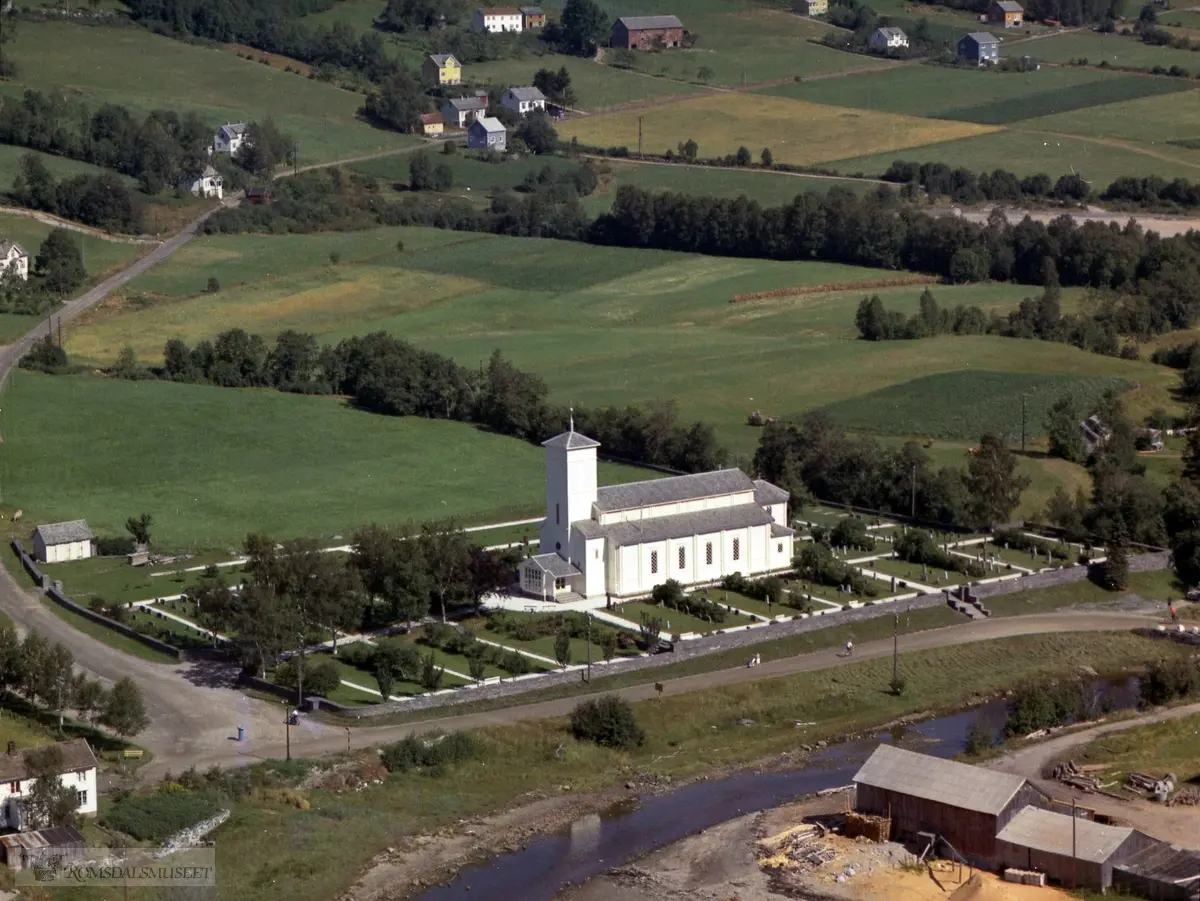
(59, 542)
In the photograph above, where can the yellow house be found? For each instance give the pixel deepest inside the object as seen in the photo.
(432, 124)
(441, 68)
(811, 7)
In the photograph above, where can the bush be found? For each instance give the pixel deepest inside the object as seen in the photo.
(1013, 539)
(1169, 680)
(1035, 707)
(157, 817)
(670, 594)
(432, 753)
(769, 589)
(213, 285)
(980, 738)
(918, 546)
(608, 721)
(114, 547)
(852, 533)
(320, 677)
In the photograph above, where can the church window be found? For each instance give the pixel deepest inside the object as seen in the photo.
(682, 558)
(779, 548)
(597, 552)
(653, 562)
(708, 553)
(737, 549)
(560, 584)
(557, 518)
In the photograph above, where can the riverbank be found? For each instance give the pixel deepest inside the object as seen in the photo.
(692, 738)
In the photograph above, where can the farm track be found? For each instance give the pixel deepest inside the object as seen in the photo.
(59, 222)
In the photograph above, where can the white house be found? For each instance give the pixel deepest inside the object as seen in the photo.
(230, 137)
(623, 540)
(59, 542)
(459, 112)
(487, 133)
(523, 101)
(14, 260)
(78, 772)
(888, 39)
(207, 184)
(497, 19)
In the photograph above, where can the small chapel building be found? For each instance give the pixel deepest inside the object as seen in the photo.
(622, 540)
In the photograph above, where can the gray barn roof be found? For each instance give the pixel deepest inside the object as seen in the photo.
(1043, 830)
(467, 104)
(640, 23)
(488, 124)
(6, 246)
(891, 32)
(64, 532)
(668, 491)
(440, 59)
(1165, 863)
(555, 565)
(941, 781)
(664, 528)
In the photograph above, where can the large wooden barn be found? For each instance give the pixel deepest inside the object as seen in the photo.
(967, 806)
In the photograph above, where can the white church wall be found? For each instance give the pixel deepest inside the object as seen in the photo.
(681, 560)
(778, 514)
(705, 571)
(570, 493)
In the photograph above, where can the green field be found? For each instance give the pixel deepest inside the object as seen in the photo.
(595, 85)
(1150, 120)
(60, 167)
(143, 71)
(1116, 50)
(213, 464)
(933, 405)
(472, 177)
(1028, 152)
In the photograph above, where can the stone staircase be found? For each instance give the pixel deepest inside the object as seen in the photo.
(961, 600)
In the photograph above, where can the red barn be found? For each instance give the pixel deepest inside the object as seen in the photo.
(647, 32)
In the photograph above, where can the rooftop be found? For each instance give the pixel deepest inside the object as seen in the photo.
(500, 11)
(432, 119)
(682, 525)
(234, 128)
(6, 246)
(983, 37)
(76, 755)
(489, 124)
(64, 532)
(555, 565)
(527, 95)
(466, 104)
(1009, 6)
(765, 493)
(640, 23)
(442, 59)
(1043, 830)
(892, 32)
(941, 781)
(1166, 863)
(673, 490)
(532, 11)
(571, 440)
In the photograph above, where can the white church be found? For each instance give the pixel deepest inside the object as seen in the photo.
(623, 540)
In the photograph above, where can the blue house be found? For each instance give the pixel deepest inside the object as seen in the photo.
(979, 47)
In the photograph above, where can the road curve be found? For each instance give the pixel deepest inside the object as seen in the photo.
(311, 744)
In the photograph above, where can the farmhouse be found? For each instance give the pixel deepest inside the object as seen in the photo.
(623, 540)
(966, 805)
(888, 39)
(496, 19)
(523, 101)
(979, 47)
(14, 260)
(441, 69)
(230, 137)
(432, 124)
(459, 112)
(532, 17)
(810, 7)
(1082, 851)
(78, 771)
(487, 133)
(207, 184)
(646, 32)
(59, 542)
(1008, 13)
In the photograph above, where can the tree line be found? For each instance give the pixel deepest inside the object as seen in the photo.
(964, 186)
(814, 458)
(383, 374)
(102, 201)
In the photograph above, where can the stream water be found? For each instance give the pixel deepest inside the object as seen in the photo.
(595, 843)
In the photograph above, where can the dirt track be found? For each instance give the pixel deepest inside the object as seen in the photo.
(1167, 226)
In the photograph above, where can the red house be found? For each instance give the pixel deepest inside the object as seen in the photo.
(647, 32)
(258, 195)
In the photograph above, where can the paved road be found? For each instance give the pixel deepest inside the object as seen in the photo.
(317, 741)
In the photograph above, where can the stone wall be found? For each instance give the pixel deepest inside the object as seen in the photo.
(1067, 575)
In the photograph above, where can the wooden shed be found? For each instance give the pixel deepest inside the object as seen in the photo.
(646, 32)
(965, 805)
(41, 848)
(1071, 851)
(1161, 872)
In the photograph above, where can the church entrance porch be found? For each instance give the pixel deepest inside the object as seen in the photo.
(548, 577)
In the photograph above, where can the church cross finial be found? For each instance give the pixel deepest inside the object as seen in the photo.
(572, 420)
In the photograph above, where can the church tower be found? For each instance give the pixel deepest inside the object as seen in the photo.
(570, 488)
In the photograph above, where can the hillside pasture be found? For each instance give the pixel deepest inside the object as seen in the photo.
(473, 177)
(1154, 120)
(962, 405)
(797, 132)
(216, 463)
(1115, 50)
(1028, 152)
(144, 71)
(596, 86)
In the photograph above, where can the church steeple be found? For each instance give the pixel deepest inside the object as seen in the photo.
(570, 487)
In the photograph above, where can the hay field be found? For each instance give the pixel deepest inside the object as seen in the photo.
(1116, 50)
(797, 132)
(1149, 120)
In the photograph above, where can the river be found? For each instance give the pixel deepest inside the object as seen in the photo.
(629, 830)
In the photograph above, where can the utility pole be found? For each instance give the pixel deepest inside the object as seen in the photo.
(589, 650)
(1074, 878)
(295, 157)
(913, 512)
(300, 674)
(640, 137)
(1023, 398)
(287, 728)
(896, 649)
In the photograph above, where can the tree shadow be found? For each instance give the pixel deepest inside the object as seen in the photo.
(212, 673)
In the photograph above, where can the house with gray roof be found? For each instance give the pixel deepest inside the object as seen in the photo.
(647, 32)
(620, 541)
(58, 542)
(487, 133)
(230, 137)
(979, 47)
(888, 38)
(524, 101)
(75, 767)
(1008, 13)
(459, 112)
(14, 260)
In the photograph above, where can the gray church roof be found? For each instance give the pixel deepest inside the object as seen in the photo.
(942, 781)
(683, 525)
(766, 493)
(668, 491)
(555, 565)
(64, 532)
(571, 441)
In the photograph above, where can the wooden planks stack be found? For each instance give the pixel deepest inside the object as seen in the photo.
(1070, 774)
(876, 829)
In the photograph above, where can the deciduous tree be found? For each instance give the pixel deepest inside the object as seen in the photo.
(125, 710)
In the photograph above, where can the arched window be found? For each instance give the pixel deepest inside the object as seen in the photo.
(737, 549)
(682, 558)
(708, 553)
(653, 562)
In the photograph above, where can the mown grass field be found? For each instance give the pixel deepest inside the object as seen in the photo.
(60, 167)
(932, 405)
(473, 177)
(595, 85)
(1116, 50)
(1027, 151)
(143, 71)
(722, 123)
(213, 464)
(601, 324)
(1149, 120)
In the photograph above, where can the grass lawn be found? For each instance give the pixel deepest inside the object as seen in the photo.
(144, 71)
(687, 735)
(1027, 151)
(749, 605)
(1116, 50)
(177, 633)
(60, 167)
(797, 131)
(100, 256)
(1156, 748)
(1157, 586)
(1148, 120)
(506, 535)
(219, 463)
(912, 572)
(595, 86)
(113, 580)
(454, 662)
(674, 621)
(482, 178)
(1004, 556)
